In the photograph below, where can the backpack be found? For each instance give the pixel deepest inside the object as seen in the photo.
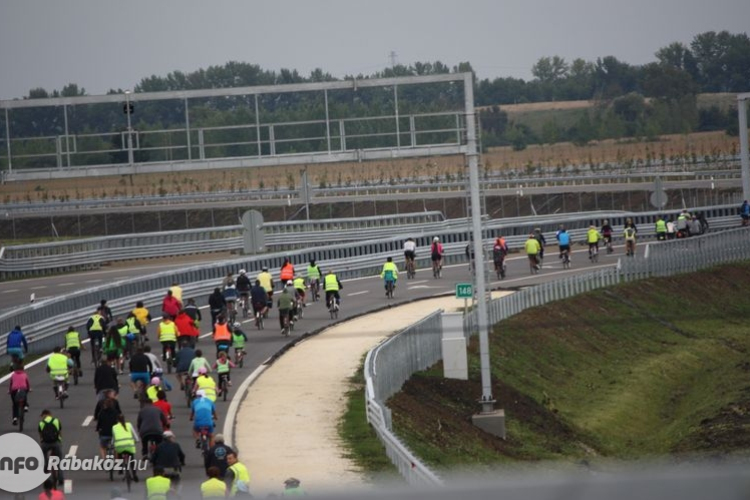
(50, 432)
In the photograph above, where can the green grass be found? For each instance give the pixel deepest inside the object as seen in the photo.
(536, 120)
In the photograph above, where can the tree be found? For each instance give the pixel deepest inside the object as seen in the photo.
(550, 70)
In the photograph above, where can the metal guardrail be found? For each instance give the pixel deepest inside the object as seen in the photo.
(386, 368)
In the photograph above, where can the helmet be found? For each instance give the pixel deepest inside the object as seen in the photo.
(202, 370)
(155, 381)
(236, 324)
(242, 271)
(264, 269)
(435, 239)
(292, 482)
(289, 283)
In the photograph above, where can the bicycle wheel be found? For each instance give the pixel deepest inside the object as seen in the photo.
(188, 390)
(60, 394)
(21, 403)
(224, 389)
(169, 356)
(128, 473)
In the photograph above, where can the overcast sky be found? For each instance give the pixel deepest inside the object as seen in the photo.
(104, 44)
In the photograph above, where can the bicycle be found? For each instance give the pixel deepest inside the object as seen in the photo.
(566, 259)
(231, 312)
(411, 270)
(111, 453)
(534, 263)
(315, 290)
(54, 474)
(259, 320)
(239, 357)
(437, 269)
(300, 307)
(500, 268)
(594, 253)
(287, 330)
(333, 308)
(20, 402)
(630, 248)
(204, 441)
(140, 390)
(169, 357)
(188, 385)
(224, 387)
(96, 352)
(75, 375)
(128, 473)
(610, 248)
(244, 306)
(60, 382)
(389, 286)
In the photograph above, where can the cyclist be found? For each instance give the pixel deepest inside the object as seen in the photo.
(332, 285)
(223, 367)
(286, 307)
(167, 336)
(410, 252)
(217, 455)
(533, 250)
(176, 292)
(153, 389)
(158, 486)
(542, 243)
(73, 346)
(228, 280)
(243, 287)
(607, 234)
(19, 382)
(50, 439)
(124, 438)
(141, 369)
(106, 418)
(169, 454)
(286, 272)
(745, 213)
(143, 317)
(499, 252)
(213, 487)
(216, 304)
(671, 229)
(205, 383)
(16, 344)
(197, 363)
(170, 306)
(95, 327)
(113, 346)
(163, 405)
(237, 476)
(630, 233)
(183, 358)
(389, 273)
(292, 488)
(258, 299)
(203, 415)
(187, 330)
(59, 365)
(299, 290)
(661, 229)
(238, 339)
(592, 238)
(230, 297)
(122, 330)
(194, 312)
(221, 335)
(470, 255)
(105, 379)
(151, 424)
(106, 312)
(313, 278)
(436, 253)
(563, 241)
(134, 330)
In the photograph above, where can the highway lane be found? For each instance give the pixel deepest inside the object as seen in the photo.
(359, 296)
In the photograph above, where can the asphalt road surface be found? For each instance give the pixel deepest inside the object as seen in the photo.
(358, 297)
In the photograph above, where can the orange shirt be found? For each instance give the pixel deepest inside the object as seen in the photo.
(221, 332)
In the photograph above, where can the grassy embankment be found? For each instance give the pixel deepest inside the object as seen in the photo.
(650, 369)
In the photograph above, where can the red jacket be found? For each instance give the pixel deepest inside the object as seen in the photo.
(171, 306)
(287, 272)
(186, 326)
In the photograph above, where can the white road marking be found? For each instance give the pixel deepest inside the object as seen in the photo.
(68, 487)
(73, 450)
(93, 281)
(66, 284)
(358, 293)
(11, 291)
(87, 421)
(418, 282)
(419, 287)
(38, 287)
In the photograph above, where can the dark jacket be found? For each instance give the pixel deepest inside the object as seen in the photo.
(105, 377)
(217, 457)
(216, 301)
(17, 339)
(140, 363)
(100, 408)
(151, 421)
(107, 419)
(168, 454)
(193, 311)
(258, 295)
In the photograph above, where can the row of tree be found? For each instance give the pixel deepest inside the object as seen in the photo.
(646, 101)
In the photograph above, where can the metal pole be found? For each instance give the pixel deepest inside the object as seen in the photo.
(187, 132)
(257, 125)
(7, 145)
(487, 400)
(328, 125)
(398, 132)
(130, 136)
(67, 137)
(744, 158)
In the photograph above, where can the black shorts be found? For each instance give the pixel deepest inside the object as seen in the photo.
(436, 257)
(409, 255)
(564, 248)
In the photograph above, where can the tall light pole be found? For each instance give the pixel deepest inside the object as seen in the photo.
(744, 154)
(130, 130)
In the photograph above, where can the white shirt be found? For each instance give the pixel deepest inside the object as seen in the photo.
(410, 246)
(155, 362)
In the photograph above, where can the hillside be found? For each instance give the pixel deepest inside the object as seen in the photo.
(656, 368)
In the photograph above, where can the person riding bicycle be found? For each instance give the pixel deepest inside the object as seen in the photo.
(230, 296)
(266, 281)
(134, 330)
(238, 339)
(243, 286)
(143, 317)
(258, 299)
(169, 454)
(199, 361)
(286, 308)
(50, 439)
(187, 330)
(313, 276)
(124, 439)
(106, 312)
(228, 280)
(95, 327)
(213, 487)
(222, 337)
(223, 366)
(499, 252)
(217, 456)
(170, 306)
(237, 477)
(436, 253)
(106, 419)
(192, 310)
(629, 233)
(159, 486)
(216, 304)
(16, 344)
(563, 241)
(592, 238)
(168, 336)
(203, 415)
(206, 383)
(183, 358)
(151, 424)
(332, 285)
(286, 273)
(73, 346)
(153, 389)
(389, 274)
(141, 369)
(542, 243)
(19, 383)
(533, 249)
(59, 365)
(410, 252)
(49, 491)
(745, 213)
(299, 289)
(113, 346)
(607, 233)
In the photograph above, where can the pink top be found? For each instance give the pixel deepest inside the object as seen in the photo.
(19, 380)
